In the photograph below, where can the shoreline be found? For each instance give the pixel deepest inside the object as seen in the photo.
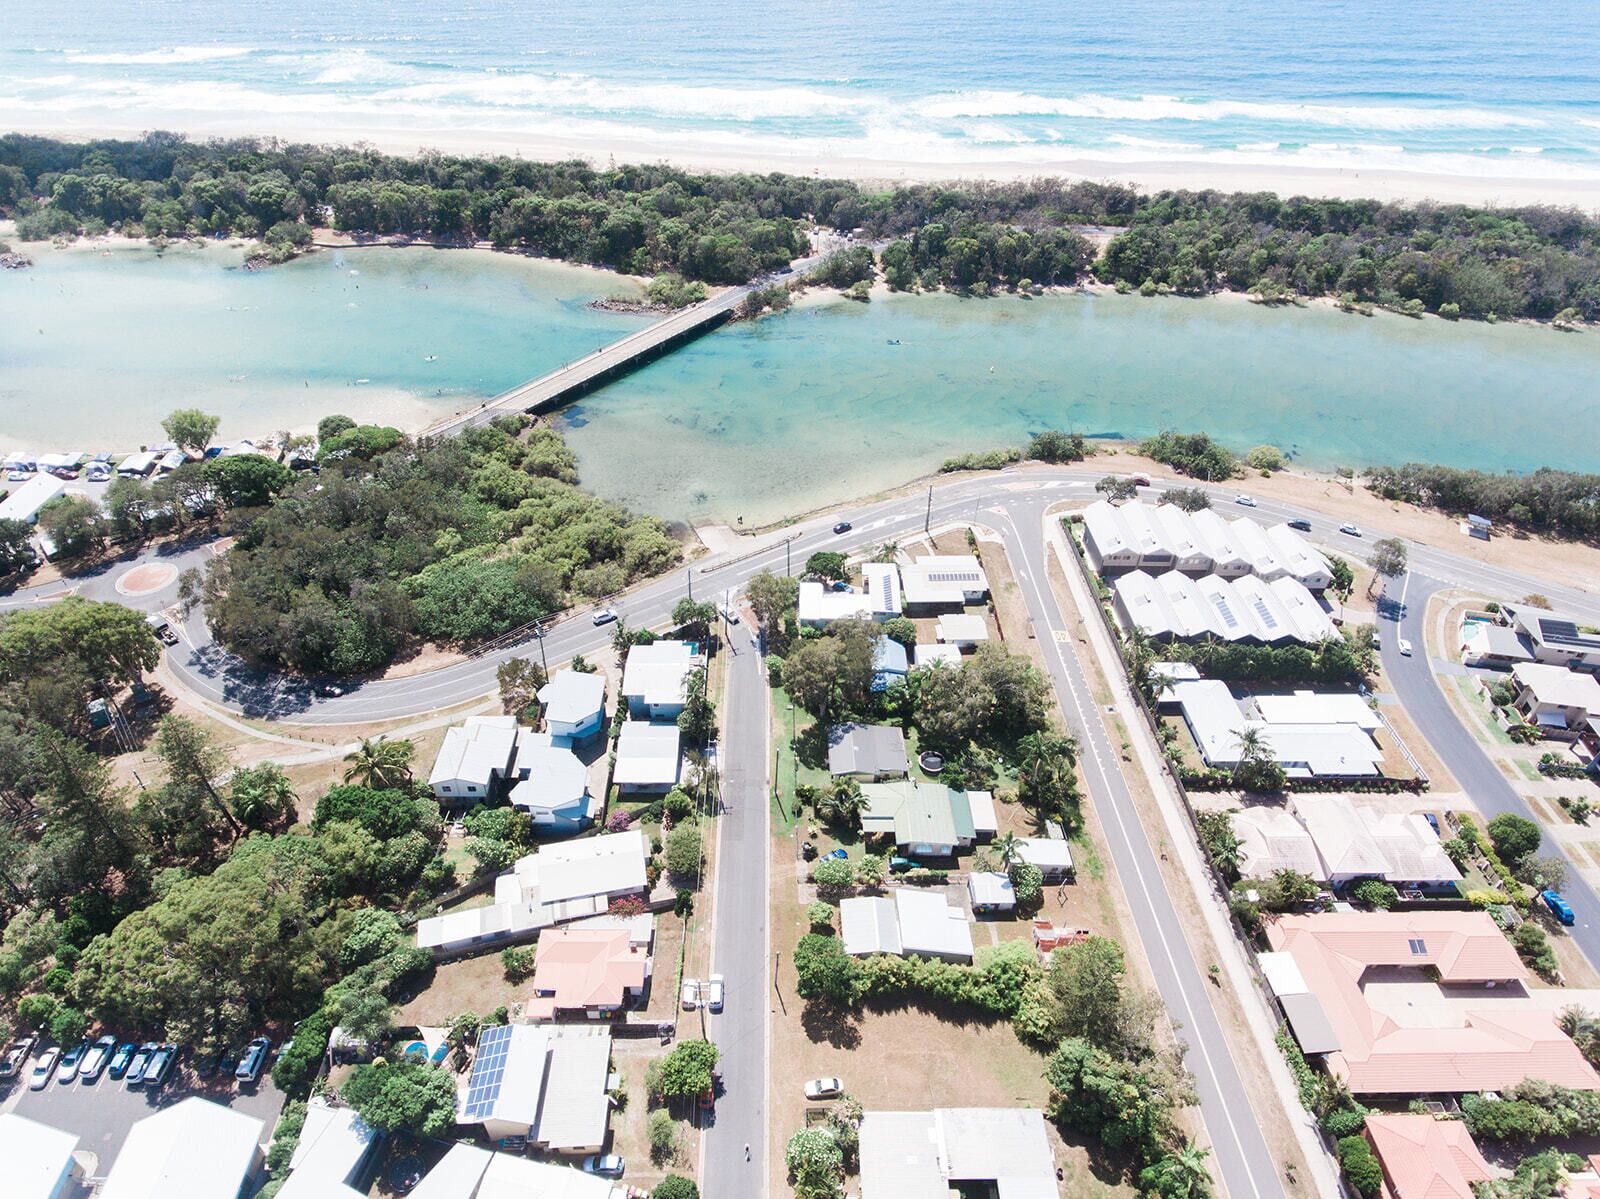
(1238, 173)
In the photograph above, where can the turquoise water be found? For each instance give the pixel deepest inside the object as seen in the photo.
(1506, 89)
(766, 418)
(815, 405)
(96, 348)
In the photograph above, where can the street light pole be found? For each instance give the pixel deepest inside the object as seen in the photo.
(788, 571)
(927, 520)
(688, 574)
(538, 635)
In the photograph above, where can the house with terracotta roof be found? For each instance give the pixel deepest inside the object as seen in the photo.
(1425, 1158)
(1417, 1003)
(589, 972)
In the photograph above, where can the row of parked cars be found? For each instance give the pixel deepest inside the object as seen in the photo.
(149, 1064)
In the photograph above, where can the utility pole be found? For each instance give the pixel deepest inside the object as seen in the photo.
(927, 521)
(788, 571)
(688, 574)
(538, 635)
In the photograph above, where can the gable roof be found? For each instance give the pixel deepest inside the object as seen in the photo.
(1424, 1158)
(195, 1148)
(556, 778)
(1558, 686)
(942, 579)
(656, 673)
(572, 696)
(919, 813)
(35, 1156)
(856, 748)
(473, 751)
(647, 754)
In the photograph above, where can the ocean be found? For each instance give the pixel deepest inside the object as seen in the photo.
(1463, 88)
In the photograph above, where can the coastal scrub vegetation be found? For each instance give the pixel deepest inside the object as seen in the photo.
(1452, 259)
(1547, 501)
(451, 541)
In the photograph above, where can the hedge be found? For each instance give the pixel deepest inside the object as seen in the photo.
(297, 1065)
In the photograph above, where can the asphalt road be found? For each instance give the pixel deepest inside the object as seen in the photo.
(740, 952)
(1419, 692)
(1238, 1147)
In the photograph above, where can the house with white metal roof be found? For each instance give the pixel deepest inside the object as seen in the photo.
(574, 704)
(1107, 540)
(1306, 614)
(1253, 543)
(906, 923)
(546, 1083)
(1052, 855)
(818, 605)
(37, 1160)
(927, 655)
(929, 1155)
(943, 581)
(880, 583)
(553, 786)
(655, 679)
(648, 757)
(473, 759)
(1216, 535)
(991, 891)
(25, 501)
(1189, 553)
(566, 880)
(334, 1155)
(1149, 537)
(194, 1148)
(962, 630)
(1305, 565)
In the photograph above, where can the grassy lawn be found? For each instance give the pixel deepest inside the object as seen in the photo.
(1479, 704)
(787, 723)
(475, 984)
(630, 1126)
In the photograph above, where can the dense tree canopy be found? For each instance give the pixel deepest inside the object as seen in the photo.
(455, 541)
(1453, 259)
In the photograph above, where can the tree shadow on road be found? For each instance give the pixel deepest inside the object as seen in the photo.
(837, 1026)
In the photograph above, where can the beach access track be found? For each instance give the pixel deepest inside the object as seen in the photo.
(609, 363)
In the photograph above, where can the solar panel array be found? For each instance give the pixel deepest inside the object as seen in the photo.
(952, 576)
(1565, 632)
(488, 1071)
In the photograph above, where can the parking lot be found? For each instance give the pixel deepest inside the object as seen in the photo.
(100, 1113)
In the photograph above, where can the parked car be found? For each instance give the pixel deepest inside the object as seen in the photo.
(122, 1059)
(843, 526)
(70, 1061)
(691, 994)
(17, 476)
(97, 473)
(140, 1063)
(16, 1055)
(1300, 523)
(835, 855)
(255, 1057)
(1350, 530)
(714, 992)
(97, 1059)
(824, 1088)
(610, 1165)
(842, 587)
(331, 690)
(44, 1068)
(1559, 907)
(1404, 647)
(605, 616)
(1140, 480)
(1249, 501)
(160, 1066)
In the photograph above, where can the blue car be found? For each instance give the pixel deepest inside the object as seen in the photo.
(1559, 908)
(837, 855)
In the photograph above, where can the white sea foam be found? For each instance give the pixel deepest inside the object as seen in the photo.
(1176, 108)
(175, 54)
(585, 93)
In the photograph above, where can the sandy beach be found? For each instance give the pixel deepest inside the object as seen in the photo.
(1516, 180)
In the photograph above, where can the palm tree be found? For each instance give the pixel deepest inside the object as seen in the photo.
(262, 795)
(846, 803)
(380, 764)
(1009, 848)
(1252, 745)
(1181, 1174)
(889, 551)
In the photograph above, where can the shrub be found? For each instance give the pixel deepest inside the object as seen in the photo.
(834, 873)
(297, 1065)
(1533, 947)
(518, 963)
(675, 1186)
(1360, 1165)
(1513, 837)
(1344, 1121)
(663, 1132)
(1307, 1083)
(1266, 457)
(683, 850)
(685, 1071)
(36, 1011)
(1053, 445)
(68, 1025)
(815, 1163)
(825, 971)
(1375, 893)
(1027, 884)
(677, 804)
(820, 916)
(286, 1136)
